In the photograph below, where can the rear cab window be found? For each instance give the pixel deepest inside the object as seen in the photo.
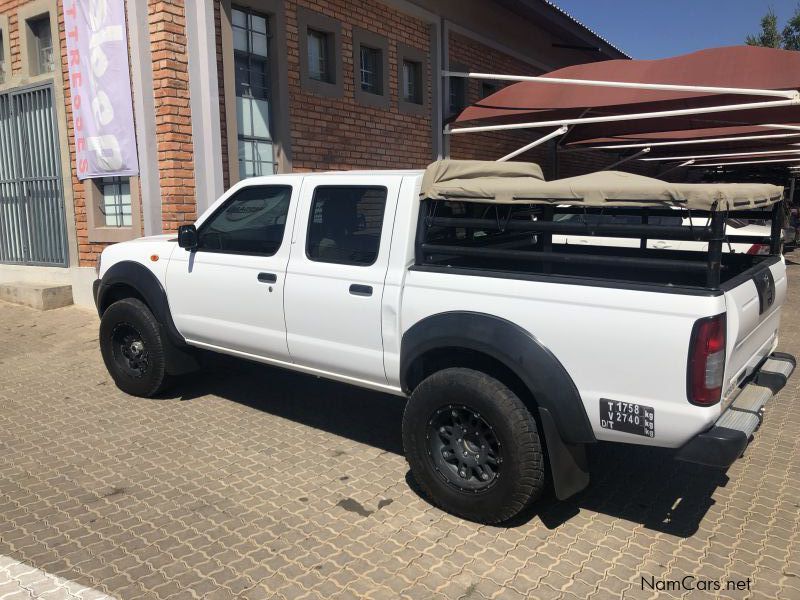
(345, 224)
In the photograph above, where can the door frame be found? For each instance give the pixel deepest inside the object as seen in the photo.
(55, 220)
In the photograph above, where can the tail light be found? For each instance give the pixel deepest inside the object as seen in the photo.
(706, 361)
(759, 249)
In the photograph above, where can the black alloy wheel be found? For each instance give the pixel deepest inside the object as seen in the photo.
(129, 350)
(464, 448)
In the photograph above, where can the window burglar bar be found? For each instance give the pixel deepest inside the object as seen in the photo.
(412, 78)
(44, 44)
(318, 55)
(116, 205)
(370, 70)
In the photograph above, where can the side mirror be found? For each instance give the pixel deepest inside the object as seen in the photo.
(187, 237)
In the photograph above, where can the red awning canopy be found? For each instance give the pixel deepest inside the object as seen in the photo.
(748, 67)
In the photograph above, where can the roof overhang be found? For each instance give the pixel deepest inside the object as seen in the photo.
(565, 25)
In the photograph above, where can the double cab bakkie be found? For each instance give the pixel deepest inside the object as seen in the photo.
(449, 288)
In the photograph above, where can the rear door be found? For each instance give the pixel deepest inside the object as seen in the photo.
(335, 280)
(753, 317)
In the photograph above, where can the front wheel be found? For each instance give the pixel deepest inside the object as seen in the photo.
(132, 348)
(473, 446)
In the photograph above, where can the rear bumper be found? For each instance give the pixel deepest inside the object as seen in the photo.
(721, 445)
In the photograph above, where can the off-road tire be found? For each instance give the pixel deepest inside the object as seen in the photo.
(520, 478)
(130, 319)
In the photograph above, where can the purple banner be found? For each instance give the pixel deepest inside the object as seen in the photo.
(102, 111)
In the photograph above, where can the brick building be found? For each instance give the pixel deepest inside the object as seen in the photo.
(225, 89)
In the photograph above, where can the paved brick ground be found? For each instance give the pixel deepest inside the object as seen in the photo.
(256, 483)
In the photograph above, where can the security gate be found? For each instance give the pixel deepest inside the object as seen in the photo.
(32, 222)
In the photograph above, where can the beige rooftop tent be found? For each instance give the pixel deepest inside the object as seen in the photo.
(523, 183)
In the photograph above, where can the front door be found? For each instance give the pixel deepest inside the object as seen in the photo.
(335, 281)
(229, 292)
(32, 224)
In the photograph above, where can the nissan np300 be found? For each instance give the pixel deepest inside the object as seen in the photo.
(446, 287)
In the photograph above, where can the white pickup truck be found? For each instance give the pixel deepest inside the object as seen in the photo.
(445, 287)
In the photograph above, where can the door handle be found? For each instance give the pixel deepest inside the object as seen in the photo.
(361, 290)
(267, 277)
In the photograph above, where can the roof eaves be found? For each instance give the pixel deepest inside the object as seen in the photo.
(564, 13)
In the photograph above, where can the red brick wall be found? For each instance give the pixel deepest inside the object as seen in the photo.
(175, 151)
(9, 9)
(341, 133)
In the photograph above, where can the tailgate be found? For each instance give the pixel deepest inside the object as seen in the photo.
(753, 316)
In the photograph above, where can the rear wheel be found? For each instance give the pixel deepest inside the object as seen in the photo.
(132, 348)
(473, 446)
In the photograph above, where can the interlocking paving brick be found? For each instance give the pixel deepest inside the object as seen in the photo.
(250, 482)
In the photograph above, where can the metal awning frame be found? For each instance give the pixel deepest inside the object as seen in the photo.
(788, 98)
(739, 138)
(749, 162)
(724, 155)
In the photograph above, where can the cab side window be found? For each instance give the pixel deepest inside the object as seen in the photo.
(345, 224)
(252, 221)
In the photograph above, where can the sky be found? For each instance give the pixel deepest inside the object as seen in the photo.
(660, 28)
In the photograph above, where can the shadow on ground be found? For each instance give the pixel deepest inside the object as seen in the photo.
(640, 484)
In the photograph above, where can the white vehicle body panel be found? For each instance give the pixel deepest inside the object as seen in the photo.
(142, 250)
(751, 336)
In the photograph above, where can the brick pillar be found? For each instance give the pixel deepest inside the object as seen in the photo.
(173, 116)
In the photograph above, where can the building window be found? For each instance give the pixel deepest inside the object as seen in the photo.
(115, 205)
(458, 95)
(413, 87)
(318, 63)
(320, 55)
(253, 93)
(370, 68)
(371, 63)
(249, 32)
(43, 59)
(113, 211)
(412, 82)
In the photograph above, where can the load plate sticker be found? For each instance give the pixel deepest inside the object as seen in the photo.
(630, 418)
